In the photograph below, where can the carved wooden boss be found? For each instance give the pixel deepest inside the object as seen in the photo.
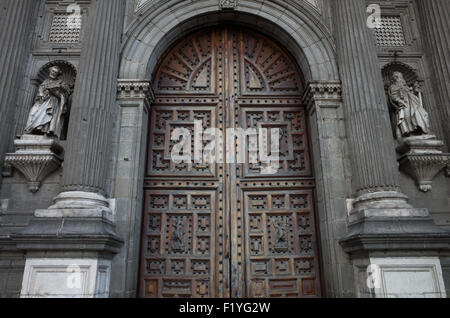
(220, 230)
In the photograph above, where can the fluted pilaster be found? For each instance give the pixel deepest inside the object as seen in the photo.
(436, 33)
(93, 109)
(369, 130)
(17, 21)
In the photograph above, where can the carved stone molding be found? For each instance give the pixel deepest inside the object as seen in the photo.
(322, 91)
(228, 4)
(135, 89)
(36, 157)
(422, 159)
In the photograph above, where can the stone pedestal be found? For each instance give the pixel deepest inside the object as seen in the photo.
(72, 242)
(36, 157)
(422, 158)
(395, 249)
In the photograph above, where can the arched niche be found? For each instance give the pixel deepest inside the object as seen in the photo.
(408, 72)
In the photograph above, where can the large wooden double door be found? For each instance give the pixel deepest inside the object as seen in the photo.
(225, 229)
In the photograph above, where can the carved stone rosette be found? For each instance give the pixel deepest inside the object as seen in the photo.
(36, 157)
(422, 159)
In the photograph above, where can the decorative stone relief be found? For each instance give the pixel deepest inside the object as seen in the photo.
(228, 4)
(36, 157)
(421, 155)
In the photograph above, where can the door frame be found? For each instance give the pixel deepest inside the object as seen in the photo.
(322, 97)
(233, 192)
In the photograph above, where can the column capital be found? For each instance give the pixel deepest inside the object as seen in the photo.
(322, 91)
(133, 89)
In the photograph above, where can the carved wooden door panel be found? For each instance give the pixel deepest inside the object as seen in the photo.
(226, 229)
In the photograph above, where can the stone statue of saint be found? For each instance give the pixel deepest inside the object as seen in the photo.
(410, 117)
(47, 114)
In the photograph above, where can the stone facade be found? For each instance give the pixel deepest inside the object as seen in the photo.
(383, 216)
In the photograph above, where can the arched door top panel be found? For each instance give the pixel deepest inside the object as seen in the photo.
(190, 66)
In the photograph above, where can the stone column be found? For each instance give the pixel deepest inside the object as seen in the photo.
(436, 26)
(380, 218)
(17, 21)
(94, 105)
(77, 235)
(367, 113)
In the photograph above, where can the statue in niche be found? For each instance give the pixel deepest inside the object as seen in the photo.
(410, 117)
(47, 115)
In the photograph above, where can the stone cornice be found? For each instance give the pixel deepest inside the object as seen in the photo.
(135, 89)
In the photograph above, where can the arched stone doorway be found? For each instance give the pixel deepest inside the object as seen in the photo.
(225, 229)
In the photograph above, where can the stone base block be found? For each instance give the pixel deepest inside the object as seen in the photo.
(399, 277)
(66, 278)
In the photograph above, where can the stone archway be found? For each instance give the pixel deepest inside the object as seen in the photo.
(292, 22)
(306, 38)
